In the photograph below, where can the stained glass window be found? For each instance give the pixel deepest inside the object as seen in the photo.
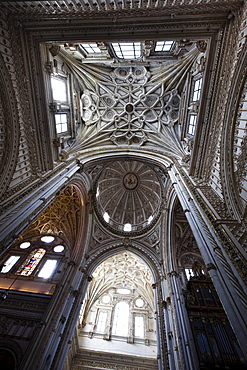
(31, 262)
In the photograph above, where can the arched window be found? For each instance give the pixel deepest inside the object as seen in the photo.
(121, 319)
(31, 262)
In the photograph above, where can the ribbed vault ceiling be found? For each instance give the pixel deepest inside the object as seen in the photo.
(128, 193)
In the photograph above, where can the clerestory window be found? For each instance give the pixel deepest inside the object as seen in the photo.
(127, 50)
(59, 90)
(197, 87)
(48, 268)
(121, 319)
(163, 45)
(139, 326)
(11, 261)
(192, 124)
(61, 121)
(91, 48)
(31, 262)
(101, 324)
(26, 259)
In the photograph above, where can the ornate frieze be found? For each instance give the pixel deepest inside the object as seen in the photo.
(64, 217)
(100, 7)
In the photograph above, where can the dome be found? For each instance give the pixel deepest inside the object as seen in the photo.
(128, 196)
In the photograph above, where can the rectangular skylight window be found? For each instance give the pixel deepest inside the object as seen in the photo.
(127, 50)
(91, 48)
(192, 124)
(197, 89)
(58, 89)
(61, 120)
(163, 45)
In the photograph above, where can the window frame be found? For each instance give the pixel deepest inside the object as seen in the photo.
(198, 91)
(65, 82)
(24, 254)
(12, 266)
(67, 122)
(135, 316)
(191, 124)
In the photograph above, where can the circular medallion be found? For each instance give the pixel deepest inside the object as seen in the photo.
(130, 181)
(129, 108)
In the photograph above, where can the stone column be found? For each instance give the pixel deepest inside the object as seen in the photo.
(228, 283)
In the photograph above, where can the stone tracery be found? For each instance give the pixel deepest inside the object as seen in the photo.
(130, 106)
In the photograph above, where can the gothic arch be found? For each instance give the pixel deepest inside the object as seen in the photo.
(156, 269)
(182, 250)
(233, 173)
(13, 348)
(111, 248)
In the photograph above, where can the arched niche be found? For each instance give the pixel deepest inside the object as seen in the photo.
(108, 282)
(65, 218)
(59, 232)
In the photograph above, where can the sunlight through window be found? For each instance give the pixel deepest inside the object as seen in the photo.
(197, 89)
(127, 50)
(163, 45)
(11, 261)
(139, 326)
(48, 269)
(121, 319)
(58, 89)
(91, 48)
(127, 227)
(101, 322)
(192, 124)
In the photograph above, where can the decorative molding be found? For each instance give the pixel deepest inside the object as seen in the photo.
(63, 217)
(99, 7)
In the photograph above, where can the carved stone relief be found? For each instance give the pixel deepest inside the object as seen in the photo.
(64, 217)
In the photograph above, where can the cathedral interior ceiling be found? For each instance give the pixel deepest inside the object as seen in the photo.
(126, 107)
(131, 105)
(123, 270)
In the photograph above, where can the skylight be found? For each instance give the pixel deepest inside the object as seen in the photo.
(58, 89)
(91, 48)
(127, 50)
(192, 124)
(163, 45)
(197, 89)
